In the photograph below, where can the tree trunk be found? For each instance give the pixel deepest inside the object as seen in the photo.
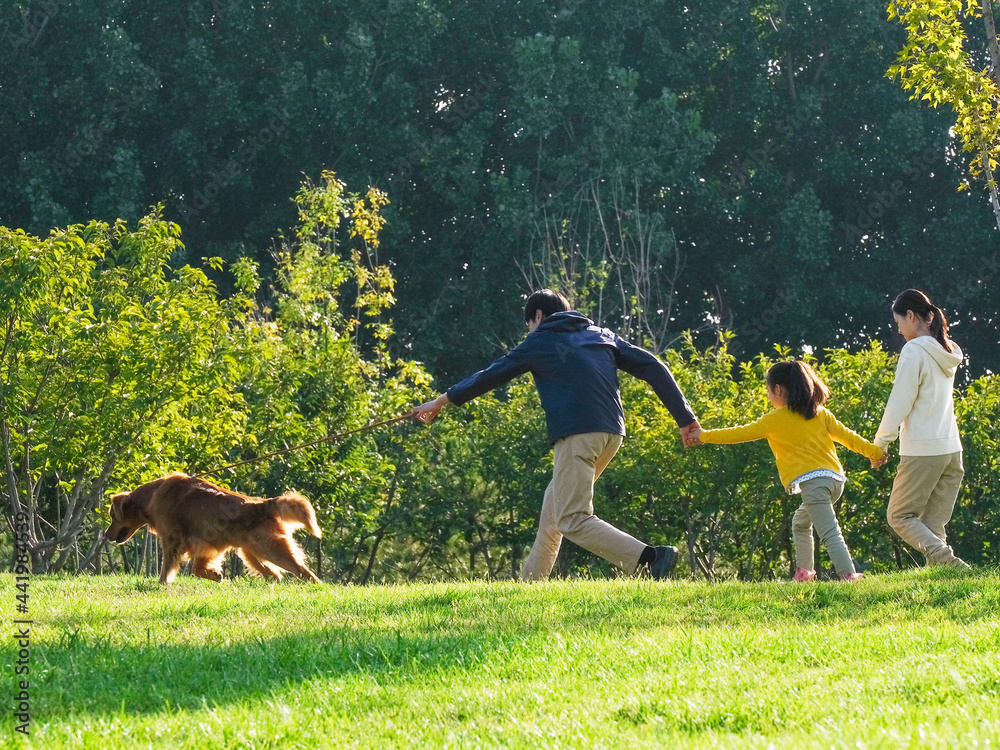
(93, 556)
(994, 47)
(383, 527)
(371, 558)
(991, 41)
(994, 198)
(515, 547)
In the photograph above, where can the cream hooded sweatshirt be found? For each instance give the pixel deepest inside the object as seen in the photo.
(921, 401)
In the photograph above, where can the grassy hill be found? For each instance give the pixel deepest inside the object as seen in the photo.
(909, 660)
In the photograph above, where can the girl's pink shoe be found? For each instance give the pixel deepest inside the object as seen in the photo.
(851, 577)
(802, 575)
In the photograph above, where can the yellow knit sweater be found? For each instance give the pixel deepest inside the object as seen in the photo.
(800, 445)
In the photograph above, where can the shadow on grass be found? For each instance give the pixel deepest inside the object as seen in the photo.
(94, 677)
(891, 592)
(906, 597)
(398, 634)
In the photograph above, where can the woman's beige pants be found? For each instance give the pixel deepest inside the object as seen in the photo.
(922, 501)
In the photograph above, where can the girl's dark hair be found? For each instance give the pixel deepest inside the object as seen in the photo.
(547, 301)
(920, 304)
(806, 392)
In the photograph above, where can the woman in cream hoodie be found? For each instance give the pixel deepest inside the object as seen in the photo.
(921, 412)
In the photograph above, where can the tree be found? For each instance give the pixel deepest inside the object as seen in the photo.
(117, 369)
(110, 362)
(777, 164)
(937, 65)
(324, 367)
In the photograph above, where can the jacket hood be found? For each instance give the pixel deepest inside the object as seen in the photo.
(563, 322)
(947, 361)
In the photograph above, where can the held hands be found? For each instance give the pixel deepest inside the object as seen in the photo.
(880, 462)
(690, 435)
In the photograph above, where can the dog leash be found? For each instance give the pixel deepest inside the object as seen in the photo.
(327, 439)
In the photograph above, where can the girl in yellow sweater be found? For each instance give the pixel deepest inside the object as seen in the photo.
(801, 433)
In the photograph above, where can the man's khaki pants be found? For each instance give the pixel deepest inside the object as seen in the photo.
(922, 501)
(568, 508)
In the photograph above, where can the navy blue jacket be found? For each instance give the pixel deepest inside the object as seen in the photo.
(575, 365)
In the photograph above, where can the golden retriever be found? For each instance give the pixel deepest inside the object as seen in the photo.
(195, 518)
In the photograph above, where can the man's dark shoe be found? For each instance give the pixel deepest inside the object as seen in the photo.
(664, 562)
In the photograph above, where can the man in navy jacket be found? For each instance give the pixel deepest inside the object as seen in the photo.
(575, 365)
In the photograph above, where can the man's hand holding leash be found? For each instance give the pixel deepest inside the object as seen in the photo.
(426, 412)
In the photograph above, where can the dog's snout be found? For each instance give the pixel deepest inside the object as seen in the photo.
(119, 536)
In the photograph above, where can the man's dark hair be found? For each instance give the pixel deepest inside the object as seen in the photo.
(547, 301)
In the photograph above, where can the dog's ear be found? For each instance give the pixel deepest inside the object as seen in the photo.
(118, 505)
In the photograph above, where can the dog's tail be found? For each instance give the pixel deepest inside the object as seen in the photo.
(295, 510)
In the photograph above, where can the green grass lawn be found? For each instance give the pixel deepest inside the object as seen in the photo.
(909, 660)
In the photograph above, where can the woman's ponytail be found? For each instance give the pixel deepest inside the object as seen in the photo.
(920, 304)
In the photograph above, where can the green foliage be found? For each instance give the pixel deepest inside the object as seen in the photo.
(911, 660)
(473, 491)
(724, 505)
(977, 516)
(112, 365)
(747, 148)
(321, 367)
(117, 368)
(938, 64)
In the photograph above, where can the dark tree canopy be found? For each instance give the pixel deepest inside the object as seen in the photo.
(749, 161)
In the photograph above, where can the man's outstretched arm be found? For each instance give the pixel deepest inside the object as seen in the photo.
(513, 363)
(645, 365)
